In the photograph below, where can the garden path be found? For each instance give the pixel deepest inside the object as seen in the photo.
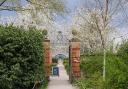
(61, 82)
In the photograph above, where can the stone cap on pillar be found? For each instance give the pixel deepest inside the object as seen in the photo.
(74, 40)
(46, 40)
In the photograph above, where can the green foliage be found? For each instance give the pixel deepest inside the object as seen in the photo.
(66, 64)
(21, 57)
(92, 67)
(116, 73)
(44, 85)
(95, 82)
(91, 64)
(123, 52)
(54, 60)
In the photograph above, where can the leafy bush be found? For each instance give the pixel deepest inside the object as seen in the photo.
(92, 67)
(54, 60)
(123, 52)
(66, 64)
(116, 73)
(21, 57)
(44, 85)
(91, 64)
(94, 82)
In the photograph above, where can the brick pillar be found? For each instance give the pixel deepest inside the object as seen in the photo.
(74, 57)
(47, 58)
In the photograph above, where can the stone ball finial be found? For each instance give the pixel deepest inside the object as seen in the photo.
(74, 32)
(45, 33)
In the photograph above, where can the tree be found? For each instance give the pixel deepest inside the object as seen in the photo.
(16, 5)
(96, 20)
(37, 13)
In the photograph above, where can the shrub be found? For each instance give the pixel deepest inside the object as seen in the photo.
(66, 64)
(54, 60)
(21, 57)
(91, 64)
(123, 52)
(94, 82)
(91, 67)
(116, 72)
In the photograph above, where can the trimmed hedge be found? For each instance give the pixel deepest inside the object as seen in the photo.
(21, 57)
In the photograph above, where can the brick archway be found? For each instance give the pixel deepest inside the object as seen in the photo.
(74, 59)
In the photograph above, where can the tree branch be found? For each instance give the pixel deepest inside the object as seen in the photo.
(2, 2)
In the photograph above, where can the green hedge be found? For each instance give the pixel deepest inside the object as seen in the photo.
(91, 64)
(21, 57)
(116, 73)
(123, 52)
(92, 69)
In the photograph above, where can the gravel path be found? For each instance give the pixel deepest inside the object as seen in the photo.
(61, 82)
